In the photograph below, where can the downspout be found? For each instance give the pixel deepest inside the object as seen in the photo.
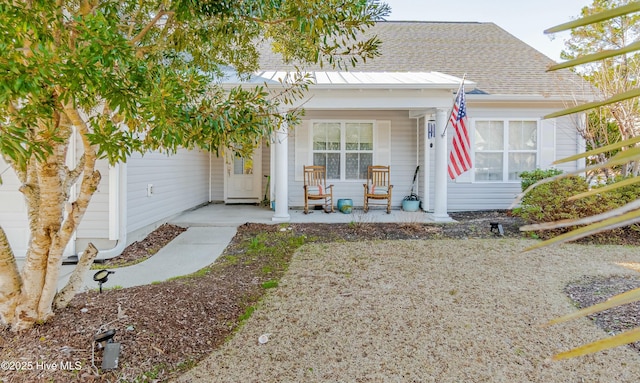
(210, 180)
(117, 218)
(71, 163)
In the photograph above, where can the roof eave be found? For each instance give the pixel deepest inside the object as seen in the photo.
(479, 98)
(359, 81)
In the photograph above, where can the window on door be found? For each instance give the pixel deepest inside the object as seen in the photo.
(242, 165)
(504, 149)
(344, 148)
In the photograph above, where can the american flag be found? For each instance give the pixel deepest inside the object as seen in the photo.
(459, 158)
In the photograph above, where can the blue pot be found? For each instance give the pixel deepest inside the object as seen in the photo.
(410, 205)
(345, 205)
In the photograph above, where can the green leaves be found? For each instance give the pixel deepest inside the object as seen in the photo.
(327, 32)
(135, 76)
(630, 151)
(143, 74)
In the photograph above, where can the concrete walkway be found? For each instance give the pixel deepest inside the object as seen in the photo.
(194, 249)
(211, 229)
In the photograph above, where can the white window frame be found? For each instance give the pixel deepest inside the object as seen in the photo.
(343, 144)
(505, 151)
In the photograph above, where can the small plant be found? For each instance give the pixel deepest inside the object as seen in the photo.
(257, 243)
(270, 284)
(247, 313)
(411, 197)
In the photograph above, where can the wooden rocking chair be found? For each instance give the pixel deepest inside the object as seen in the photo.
(378, 186)
(316, 188)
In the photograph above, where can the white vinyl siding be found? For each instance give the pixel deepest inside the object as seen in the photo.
(179, 182)
(217, 177)
(13, 211)
(95, 223)
(567, 142)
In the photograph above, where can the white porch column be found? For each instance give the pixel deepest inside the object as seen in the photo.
(425, 165)
(440, 177)
(281, 185)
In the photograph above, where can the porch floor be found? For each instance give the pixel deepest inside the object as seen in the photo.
(219, 214)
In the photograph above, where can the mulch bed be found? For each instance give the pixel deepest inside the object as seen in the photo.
(165, 328)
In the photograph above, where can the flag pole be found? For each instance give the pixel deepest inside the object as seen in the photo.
(444, 132)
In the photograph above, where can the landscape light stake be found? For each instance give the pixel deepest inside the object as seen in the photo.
(101, 277)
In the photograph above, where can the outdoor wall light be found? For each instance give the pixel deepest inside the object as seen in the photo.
(101, 277)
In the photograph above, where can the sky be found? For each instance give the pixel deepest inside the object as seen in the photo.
(524, 19)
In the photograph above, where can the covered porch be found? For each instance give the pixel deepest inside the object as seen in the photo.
(425, 98)
(219, 214)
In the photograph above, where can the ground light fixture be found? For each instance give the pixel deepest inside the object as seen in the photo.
(496, 228)
(101, 277)
(111, 349)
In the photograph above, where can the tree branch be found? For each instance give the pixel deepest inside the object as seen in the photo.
(74, 174)
(148, 27)
(272, 22)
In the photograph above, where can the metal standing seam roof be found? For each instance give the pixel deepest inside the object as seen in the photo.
(384, 80)
(496, 61)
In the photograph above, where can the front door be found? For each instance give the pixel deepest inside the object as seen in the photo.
(243, 177)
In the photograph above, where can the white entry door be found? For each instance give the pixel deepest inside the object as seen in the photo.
(243, 178)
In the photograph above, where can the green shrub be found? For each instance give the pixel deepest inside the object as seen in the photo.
(529, 178)
(549, 202)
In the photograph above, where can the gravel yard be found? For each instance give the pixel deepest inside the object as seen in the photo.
(425, 311)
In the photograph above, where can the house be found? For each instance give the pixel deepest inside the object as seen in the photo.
(389, 111)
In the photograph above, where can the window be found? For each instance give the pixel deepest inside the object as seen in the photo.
(504, 149)
(345, 148)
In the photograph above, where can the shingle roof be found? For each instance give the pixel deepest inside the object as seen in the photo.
(497, 61)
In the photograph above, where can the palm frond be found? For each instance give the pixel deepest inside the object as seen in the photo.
(606, 188)
(620, 217)
(633, 93)
(602, 344)
(596, 18)
(608, 224)
(618, 300)
(596, 57)
(607, 164)
(601, 149)
(633, 205)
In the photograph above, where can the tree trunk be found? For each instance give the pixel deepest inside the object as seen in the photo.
(10, 282)
(77, 278)
(43, 258)
(46, 187)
